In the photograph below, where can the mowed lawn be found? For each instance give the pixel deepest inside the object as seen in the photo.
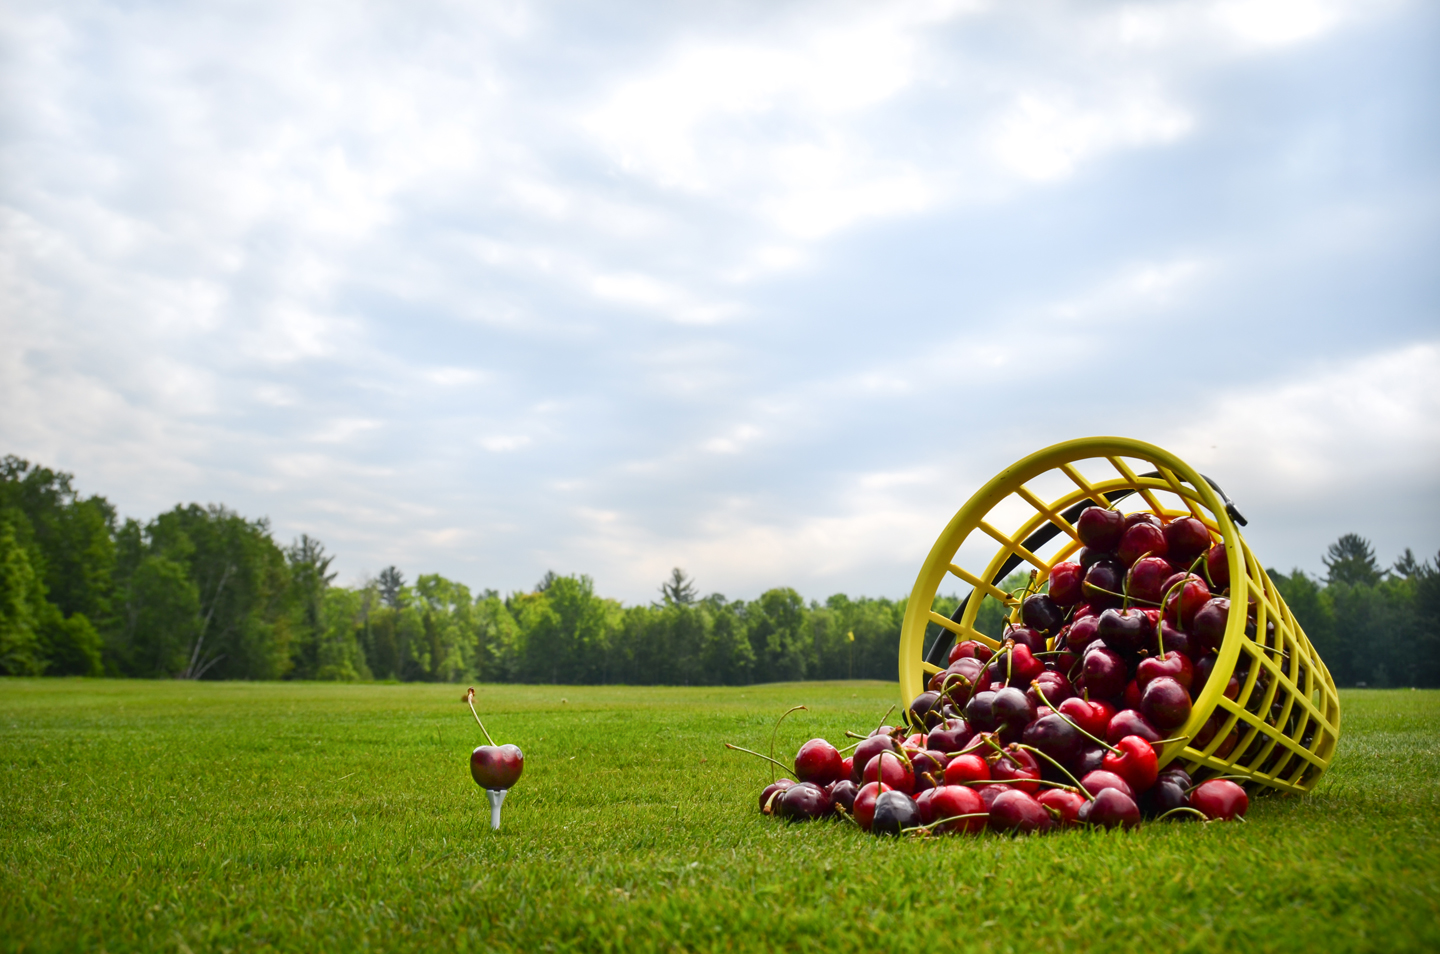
(172, 816)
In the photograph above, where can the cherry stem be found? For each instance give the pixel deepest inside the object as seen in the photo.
(851, 745)
(1106, 745)
(1136, 599)
(885, 716)
(776, 730)
(470, 700)
(758, 755)
(1182, 808)
(942, 821)
(1031, 748)
(1173, 738)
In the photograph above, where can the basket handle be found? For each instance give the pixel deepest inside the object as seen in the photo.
(1044, 535)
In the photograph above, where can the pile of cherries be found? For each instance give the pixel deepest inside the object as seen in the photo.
(1060, 726)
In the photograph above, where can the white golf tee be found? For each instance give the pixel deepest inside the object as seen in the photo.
(497, 798)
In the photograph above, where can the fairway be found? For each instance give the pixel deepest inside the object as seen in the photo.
(217, 816)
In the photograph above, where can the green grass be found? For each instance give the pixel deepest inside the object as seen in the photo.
(175, 816)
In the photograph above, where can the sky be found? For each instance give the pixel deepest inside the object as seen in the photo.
(761, 290)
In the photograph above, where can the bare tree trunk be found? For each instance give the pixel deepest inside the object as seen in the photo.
(190, 671)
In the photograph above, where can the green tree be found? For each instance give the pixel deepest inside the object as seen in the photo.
(310, 580)
(1351, 560)
(22, 597)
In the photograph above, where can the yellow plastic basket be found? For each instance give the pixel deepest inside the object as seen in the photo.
(1281, 728)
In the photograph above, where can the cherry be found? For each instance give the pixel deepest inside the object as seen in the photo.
(847, 765)
(980, 711)
(1142, 516)
(1220, 798)
(915, 740)
(1175, 665)
(988, 793)
(770, 791)
(1173, 639)
(804, 801)
(843, 792)
(1100, 528)
(896, 772)
(1097, 781)
(1132, 695)
(1017, 767)
(929, 769)
(1082, 632)
(894, 812)
(1012, 711)
(1141, 539)
(1054, 685)
(1104, 673)
(1064, 805)
(863, 807)
(1187, 538)
(1146, 579)
(1166, 703)
(1025, 636)
(950, 801)
(924, 709)
(1208, 626)
(966, 768)
(952, 735)
(1125, 631)
(1065, 580)
(1042, 613)
(867, 750)
(818, 761)
(1168, 792)
(1020, 664)
(1019, 811)
(1183, 603)
(496, 767)
(1134, 762)
(970, 649)
(1103, 581)
(1089, 556)
(1054, 736)
(1130, 722)
(1092, 716)
(1112, 808)
(1217, 564)
(1091, 758)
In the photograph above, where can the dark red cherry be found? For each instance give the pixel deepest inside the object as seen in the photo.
(1082, 633)
(817, 761)
(805, 801)
(1012, 712)
(843, 792)
(1097, 781)
(1176, 640)
(970, 649)
(1053, 689)
(1017, 768)
(925, 709)
(1020, 812)
(864, 806)
(1031, 639)
(1187, 538)
(1112, 809)
(1142, 516)
(1218, 563)
(1100, 529)
(1055, 737)
(1105, 674)
(1065, 580)
(1104, 583)
(950, 736)
(1130, 722)
(1125, 631)
(867, 750)
(1146, 579)
(1140, 539)
(1042, 614)
(770, 791)
(1089, 556)
(1208, 626)
(1165, 704)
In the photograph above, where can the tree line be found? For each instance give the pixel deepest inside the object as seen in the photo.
(203, 592)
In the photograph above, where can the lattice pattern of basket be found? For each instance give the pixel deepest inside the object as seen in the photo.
(1281, 728)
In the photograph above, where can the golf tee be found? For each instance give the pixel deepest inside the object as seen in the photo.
(497, 798)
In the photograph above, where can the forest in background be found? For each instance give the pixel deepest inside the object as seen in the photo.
(203, 592)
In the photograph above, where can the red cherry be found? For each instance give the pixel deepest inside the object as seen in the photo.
(496, 767)
(1099, 528)
(1132, 694)
(1184, 602)
(1064, 806)
(1187, 538)
(1082, 632)
(988, 793)
(818, 761)
(1146, 579)
(1135, 762)
(864, 807)
(967, 768)
(950, 801)
(1220, 798)
(1065, 580)
(1130, 722)
(1175, 665)
(1139, 540)
(895, 772)
(1112, 809)
(1018, 768)
(1208, 626)
(867, 750)
(1165, 704)
(1089, 716)
(1104, 673)
(770, 791)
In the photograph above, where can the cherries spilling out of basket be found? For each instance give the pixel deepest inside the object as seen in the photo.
(1062, 725)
